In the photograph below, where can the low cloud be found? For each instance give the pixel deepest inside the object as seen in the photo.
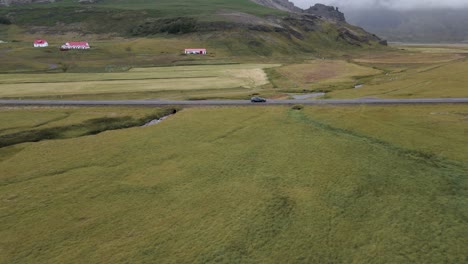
(391, 4)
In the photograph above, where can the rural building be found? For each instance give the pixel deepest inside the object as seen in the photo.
(195, 51)
(75, 45)
(40, 43)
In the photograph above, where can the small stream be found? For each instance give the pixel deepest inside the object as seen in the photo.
(156, 121)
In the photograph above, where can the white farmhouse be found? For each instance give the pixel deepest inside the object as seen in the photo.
(40, 43)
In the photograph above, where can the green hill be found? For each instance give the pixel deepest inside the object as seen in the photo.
(235, 27)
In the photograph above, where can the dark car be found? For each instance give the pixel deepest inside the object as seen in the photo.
(257, 99)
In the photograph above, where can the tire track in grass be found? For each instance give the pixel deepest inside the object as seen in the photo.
(452, 180)
(428, 158)
(454, 172)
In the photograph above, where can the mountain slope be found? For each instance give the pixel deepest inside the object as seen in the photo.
(239, 27)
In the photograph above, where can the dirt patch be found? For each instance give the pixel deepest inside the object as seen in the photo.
(326, 72)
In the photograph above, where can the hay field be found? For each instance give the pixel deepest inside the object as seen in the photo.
(137, 80)
(250, 185)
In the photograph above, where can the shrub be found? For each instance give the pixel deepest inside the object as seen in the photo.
(5, 21)
(297, 107)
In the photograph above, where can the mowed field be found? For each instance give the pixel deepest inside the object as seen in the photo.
(228, 185)
(137, 80)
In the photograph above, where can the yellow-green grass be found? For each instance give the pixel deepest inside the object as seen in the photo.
(320, 74)
(407, 126)
(52, 123)
(436, 48)
(15, 119)
(178, 78)
(416, 57)
(250, 185)
(431, 81)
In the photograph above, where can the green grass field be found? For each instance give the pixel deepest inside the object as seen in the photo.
(266, 184)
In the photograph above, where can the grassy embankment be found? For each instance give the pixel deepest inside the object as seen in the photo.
(241, 185)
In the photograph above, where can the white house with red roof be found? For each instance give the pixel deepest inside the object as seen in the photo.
(195, 51)
(40, 43)
(75, 45)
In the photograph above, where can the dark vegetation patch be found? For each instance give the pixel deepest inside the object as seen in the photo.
(260, 47)
(88, 127)
(297, 107)
(5, 21)
(179, 25)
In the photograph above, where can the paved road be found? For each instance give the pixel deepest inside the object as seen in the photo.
(231, 102)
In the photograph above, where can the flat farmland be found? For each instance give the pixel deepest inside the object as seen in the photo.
(320, 74)
(418, 56)
(425, 81)
(235, 184)
(157, 79)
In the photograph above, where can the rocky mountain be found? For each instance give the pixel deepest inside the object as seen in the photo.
(284, 5)
(321, 10)
(328, 12)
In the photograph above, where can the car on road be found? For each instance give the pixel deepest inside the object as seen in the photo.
(257, 99)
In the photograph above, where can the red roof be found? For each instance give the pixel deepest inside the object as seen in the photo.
(39, 41)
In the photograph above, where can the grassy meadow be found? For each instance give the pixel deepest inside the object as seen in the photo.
(239, 184)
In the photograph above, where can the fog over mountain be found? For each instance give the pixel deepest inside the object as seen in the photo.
(388, 4)
(422, 21)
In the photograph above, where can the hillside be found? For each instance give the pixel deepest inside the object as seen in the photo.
(240, 27)
(430, 26)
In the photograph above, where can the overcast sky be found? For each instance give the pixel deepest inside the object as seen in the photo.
(393, 4)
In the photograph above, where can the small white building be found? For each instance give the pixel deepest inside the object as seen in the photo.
(75, 45)
(40, 43)
(195, 51)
